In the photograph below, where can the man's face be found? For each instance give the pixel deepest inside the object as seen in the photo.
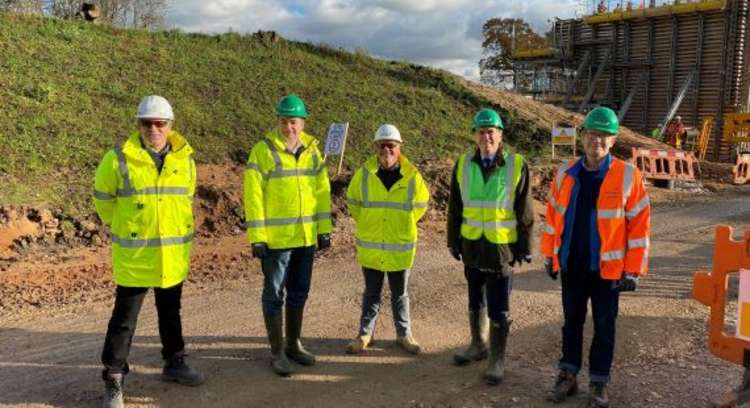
(291, 128)
(154, 132)
(596, 144)
(489, 140)
(388, 152)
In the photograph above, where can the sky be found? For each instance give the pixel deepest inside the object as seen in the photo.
(445, 34)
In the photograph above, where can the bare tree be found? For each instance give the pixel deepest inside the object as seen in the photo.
(148, 14)
(23, 6)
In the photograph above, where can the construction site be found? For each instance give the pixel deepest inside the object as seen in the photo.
(683, 336)
(651, 63)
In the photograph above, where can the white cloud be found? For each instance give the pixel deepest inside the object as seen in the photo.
(442, 33)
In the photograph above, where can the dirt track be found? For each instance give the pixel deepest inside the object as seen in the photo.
(49, 353)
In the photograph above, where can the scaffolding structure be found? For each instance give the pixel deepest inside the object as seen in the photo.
(649, 62)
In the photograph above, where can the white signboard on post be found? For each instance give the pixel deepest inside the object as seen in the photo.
(336, 141)
(563, 136)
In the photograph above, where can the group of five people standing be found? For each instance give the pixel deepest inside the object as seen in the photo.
(595, 233)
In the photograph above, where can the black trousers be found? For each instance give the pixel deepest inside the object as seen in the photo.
(122, 325)
(491, 290)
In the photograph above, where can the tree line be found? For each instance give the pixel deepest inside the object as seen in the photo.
(125, 13)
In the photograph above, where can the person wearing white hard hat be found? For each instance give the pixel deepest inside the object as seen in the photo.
(143, 190)
(386, 197)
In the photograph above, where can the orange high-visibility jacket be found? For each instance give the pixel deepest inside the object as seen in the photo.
(623, 213)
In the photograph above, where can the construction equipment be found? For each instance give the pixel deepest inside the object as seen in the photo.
(737, 128)
(710, 289)
(676, 103)
(706, 127)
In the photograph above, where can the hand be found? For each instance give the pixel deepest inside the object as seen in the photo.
(456, 250)
(628, 283)
(548, 267)
(324, 241)
(520, 259)
(259, 250)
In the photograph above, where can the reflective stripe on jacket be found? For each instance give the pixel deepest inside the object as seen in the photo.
(488, 206)
(150, 213)
(386, 220)
(287, 199)
(623, 213)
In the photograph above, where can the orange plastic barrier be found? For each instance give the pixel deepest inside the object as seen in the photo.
(664, 164)
(710, 288)
(741, 170)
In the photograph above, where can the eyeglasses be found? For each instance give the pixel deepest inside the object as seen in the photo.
(158, 123)
(389, 145)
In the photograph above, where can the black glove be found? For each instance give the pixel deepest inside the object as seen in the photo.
(324, 241)
(549, 269)
(518, 257)
(628, 283)
(259, 250)
(455, 249)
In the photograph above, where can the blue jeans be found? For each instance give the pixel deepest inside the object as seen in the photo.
(286, 272)
(397, 281)
(491, 290)
(577, 287)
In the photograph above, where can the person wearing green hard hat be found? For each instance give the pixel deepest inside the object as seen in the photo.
(490, 223)
(596, 237)
(287, 212)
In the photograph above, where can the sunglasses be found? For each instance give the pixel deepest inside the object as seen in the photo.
(157, 123)
(390, 146)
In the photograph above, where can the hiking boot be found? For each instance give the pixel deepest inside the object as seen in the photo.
(477, 350)
(566, 385)
(409, 344)
(358, 345)
(177, 370)
(496, 362)
(279, 363)
(294, 348)
(112, 390)
(598, 397)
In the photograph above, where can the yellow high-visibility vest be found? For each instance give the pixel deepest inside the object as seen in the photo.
(287, 199)
(150, 213)
(386, 220)
(488, 206)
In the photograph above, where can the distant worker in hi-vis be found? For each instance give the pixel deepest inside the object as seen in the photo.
(490, 222)
(596, 236)
(287, 212)
(144, 192)
(386, 197)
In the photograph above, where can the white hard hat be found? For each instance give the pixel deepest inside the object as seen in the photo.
(154, 107)
(388, 132)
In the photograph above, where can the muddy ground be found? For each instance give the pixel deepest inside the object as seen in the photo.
(55, 301)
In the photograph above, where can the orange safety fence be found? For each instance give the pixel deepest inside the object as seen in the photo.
(741, 170)
(710, 288)
(664, 164)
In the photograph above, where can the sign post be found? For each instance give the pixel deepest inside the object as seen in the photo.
(563, 136)
(336, 142)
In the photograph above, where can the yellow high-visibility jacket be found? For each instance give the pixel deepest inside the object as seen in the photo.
(387, 219)
(150, 214)
(488, 206)
(287, 199)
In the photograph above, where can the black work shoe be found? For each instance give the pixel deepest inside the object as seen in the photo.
(176, 370)
(598, 397)
(112, 390)
(566, 385)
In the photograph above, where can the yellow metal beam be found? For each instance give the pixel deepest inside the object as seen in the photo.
(622, 15)
(531, 53)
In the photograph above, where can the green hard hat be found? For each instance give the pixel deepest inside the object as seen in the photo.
(487, 118)
(602, 119)
(291, 106)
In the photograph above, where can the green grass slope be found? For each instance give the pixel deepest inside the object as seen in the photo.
(68, 92)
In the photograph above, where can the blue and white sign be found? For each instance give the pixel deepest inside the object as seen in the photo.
(336, 139)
